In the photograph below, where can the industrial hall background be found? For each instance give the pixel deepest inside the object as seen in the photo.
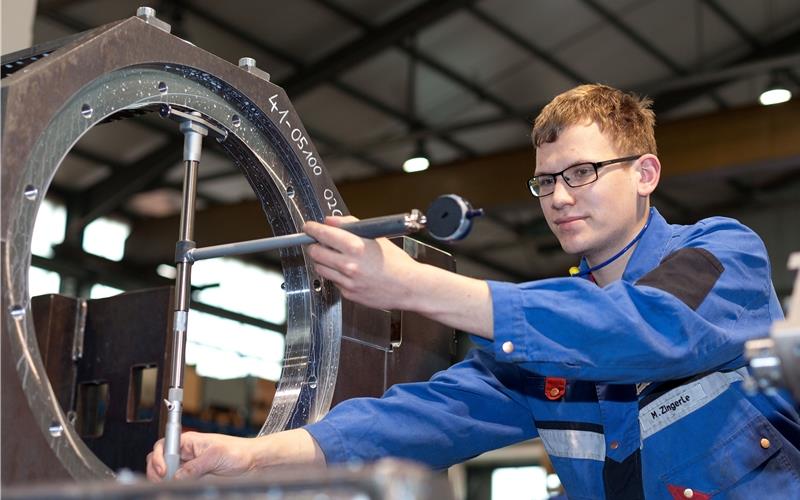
(452, 85)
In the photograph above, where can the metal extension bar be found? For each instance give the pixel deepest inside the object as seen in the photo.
(193, 133)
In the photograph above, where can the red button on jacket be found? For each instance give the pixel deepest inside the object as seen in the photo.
(682, 493)
(554, 388)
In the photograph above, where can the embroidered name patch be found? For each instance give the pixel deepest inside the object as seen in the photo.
(670, 407)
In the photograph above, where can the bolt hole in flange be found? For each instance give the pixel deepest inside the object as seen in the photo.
(56, 429)
(17, 312)
(31, 192)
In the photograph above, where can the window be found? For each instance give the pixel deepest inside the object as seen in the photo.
(238, 286)
(224, 349)
(520, 483)
(106, 238)
(41, 281)
(51, 222)
(99, 291)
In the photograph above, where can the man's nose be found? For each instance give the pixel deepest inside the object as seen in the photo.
(562, 194)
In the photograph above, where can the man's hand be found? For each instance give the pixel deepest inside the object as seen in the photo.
(204, 454)
(379, 274)
(221, 455)
(376, 273)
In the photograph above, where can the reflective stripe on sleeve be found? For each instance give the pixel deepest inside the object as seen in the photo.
(571, 443)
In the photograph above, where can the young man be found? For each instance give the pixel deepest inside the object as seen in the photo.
(630, 371)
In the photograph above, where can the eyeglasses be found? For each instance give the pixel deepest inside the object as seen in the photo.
(575, 176)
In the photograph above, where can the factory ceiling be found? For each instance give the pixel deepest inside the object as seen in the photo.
(376, 81)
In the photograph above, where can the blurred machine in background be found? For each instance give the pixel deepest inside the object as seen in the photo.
(775, 360)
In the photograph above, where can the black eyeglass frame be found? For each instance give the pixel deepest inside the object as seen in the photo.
(596, 165)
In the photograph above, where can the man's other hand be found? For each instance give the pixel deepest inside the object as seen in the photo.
(204, 454)
(221, 455)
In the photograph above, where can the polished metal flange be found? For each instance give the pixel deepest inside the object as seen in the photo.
(134, 65)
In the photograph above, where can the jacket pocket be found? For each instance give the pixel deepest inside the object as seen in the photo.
(748, 464)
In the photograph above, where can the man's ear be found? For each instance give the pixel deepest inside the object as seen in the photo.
(649, 168)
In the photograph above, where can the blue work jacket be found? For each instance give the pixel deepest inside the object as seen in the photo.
(635, 388)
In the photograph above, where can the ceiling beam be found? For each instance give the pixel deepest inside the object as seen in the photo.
(732, 23)
(61, 18)
(657, 89)
(615, 21)
(236, 32)
(526, 45)
(374, 41)
(731, 139)
(473, 87)
(668, 95)
(740, 30)
(644, 43)
(477, 89)
(96, 159)
(786, 45)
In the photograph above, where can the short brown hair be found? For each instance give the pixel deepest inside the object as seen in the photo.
(626, 117)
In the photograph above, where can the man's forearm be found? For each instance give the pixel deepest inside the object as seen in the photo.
(295, 446)
(451, 299)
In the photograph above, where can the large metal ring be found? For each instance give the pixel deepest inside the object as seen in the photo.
(132, 65)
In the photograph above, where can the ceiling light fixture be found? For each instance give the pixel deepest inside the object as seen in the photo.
(776, 93)
(418, 162)
(774, 96)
